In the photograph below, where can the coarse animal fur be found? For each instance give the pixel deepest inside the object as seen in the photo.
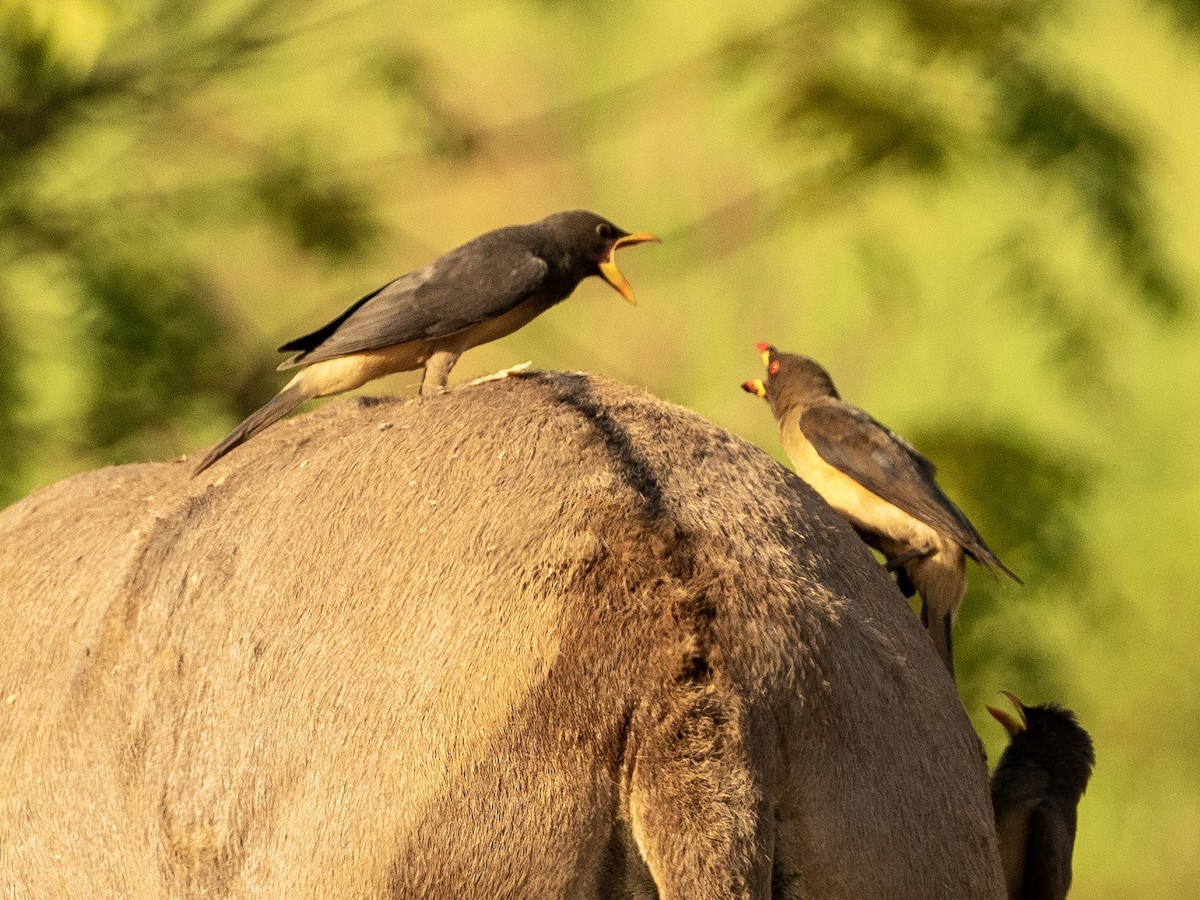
(542, 637)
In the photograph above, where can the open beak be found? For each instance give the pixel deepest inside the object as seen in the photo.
(609, 270)
(1014, 725)
(755, 386)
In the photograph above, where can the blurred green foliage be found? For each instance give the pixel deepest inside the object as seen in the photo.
(154, 344)
(894, 111)
(980, 214)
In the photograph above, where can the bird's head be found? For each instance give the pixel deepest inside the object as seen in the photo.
(593, 241)
(1050, 737)
(791, 379)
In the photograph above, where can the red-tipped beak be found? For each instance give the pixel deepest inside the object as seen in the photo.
(755, 386)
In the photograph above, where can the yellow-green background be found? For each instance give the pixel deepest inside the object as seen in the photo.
(224, 185)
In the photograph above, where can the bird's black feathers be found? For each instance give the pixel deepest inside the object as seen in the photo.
(270, 412)
(1052, 742)
(1050, 839)
(480, 280)
(1036, 788)
(475, 293)
(313, 339)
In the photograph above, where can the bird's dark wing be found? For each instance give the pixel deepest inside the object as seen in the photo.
(475, 282)
(314, 339)
(888, 466)
(1048, 857)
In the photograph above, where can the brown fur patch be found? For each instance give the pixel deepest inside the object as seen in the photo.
(538, 637)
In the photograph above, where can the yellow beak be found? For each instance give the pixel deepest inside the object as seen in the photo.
(609, 270)
(755, 386)
(1014, 725)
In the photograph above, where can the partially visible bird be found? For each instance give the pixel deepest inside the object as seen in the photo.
(1036, 787)
(483, 290)
(878, 481)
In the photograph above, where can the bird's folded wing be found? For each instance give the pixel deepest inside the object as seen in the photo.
(886, 465)
(1048, 854)
(466, 286)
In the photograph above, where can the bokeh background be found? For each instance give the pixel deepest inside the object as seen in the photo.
(982, 215)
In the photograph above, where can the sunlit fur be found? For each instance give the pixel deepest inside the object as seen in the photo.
(548, 637)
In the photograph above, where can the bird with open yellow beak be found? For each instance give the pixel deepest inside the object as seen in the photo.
(1036, 789)
(485, 289)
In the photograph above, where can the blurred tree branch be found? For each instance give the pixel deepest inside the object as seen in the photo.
(159, 350)
(863, 93)
(1187, 14)
(1026, 497)
(951, 81)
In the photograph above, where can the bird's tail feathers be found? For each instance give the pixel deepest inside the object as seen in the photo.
(270, 412)
(941, 579)
(991, 562)
(940, 626)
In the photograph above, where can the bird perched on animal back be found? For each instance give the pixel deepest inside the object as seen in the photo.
(1036, 788)
(483, 290)
(878, 481)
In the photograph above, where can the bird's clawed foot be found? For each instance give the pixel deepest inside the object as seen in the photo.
(896, 562)
(896, 566)
(437, 370)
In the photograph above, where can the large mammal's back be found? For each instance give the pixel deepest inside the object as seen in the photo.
(514, 640)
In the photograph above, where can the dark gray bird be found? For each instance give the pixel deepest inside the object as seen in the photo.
(1036, 787)
(483, 290)
(878, 481)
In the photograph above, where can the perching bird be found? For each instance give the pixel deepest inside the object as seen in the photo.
(878, 481)
(1035, 791)
(483, 290)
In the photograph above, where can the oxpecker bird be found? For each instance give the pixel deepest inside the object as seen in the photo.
(483, 290)
(1036, 787)
(878, 481)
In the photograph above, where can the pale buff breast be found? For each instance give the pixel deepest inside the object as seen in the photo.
(344, 373)
(491, 329)
(862, 507)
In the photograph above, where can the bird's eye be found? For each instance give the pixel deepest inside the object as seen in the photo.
(773, 368)
(604, 230)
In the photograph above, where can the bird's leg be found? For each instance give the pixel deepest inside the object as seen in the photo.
(941, 630)
(894, 563)
(437, 370)
(896, 566)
